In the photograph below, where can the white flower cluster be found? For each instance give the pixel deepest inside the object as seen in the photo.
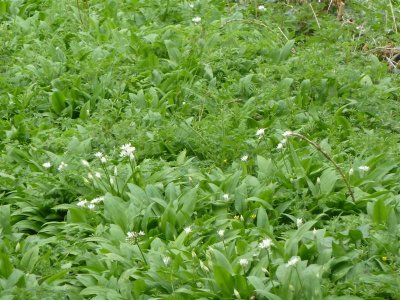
(100, 156)
(265, 244)
(284, 140)
(293, 261)
(196, 20)
(90, 204)
(47, 165)
(261, 8)
(260, 132)
(127, 151)
(281, 144)
(62, 166)
(243, 262)
(132, 235)
(166, 260)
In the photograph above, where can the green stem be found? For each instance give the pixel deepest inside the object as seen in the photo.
(301, 283)
(326, 155)
(141, 252)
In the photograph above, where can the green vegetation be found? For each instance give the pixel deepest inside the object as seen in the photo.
(165, 149)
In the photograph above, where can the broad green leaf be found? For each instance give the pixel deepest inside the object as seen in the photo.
(328, 180)
(291, 245)
(286, 50)
(29, 259)
(5, 225)
(222, 261)
(115, 210)
(378, 211)
(6, 267)
(224, 280)
(85, 111)
(57, 102)
(265, 167)
(188, 201)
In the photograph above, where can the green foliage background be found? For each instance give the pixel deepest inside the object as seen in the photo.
(80, 77)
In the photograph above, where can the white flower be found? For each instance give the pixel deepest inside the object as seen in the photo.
(196, 20)
(225, 197)
(287, 133)
(133, 235)
(318, 180)
(97, 174)
(62, 166)
(103, 159)
(127, 150)
(244, 157)
(166, 260)
(260, 132)
(91, 206)
(351, 171)
(82, 203)
(261, 8)
(299, 222)
(265, 244)
(90, 176)
(243, 262)
(188, 229)
(97, 200)
(98, 155)
(221, 233)
(47, 165)
(281, 144)
(314, 232)
(191, 5)
(85, 163)
(293, 261)
(363, 168)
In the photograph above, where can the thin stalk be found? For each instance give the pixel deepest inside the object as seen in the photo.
(257, 22)
(79, 11)
(269, 273)
(104, 167)
(315, 16)
(301, 283)
(393, 16)
(141, 252)
(326, 155)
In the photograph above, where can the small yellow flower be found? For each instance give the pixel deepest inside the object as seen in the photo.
(253, 216)
(237, 217)
(384, 258)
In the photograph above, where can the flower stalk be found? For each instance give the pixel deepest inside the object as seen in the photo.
(327, 156)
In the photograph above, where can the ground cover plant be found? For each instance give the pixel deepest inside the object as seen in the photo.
(199, 150)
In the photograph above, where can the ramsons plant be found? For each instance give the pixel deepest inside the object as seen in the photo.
(145, 150)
